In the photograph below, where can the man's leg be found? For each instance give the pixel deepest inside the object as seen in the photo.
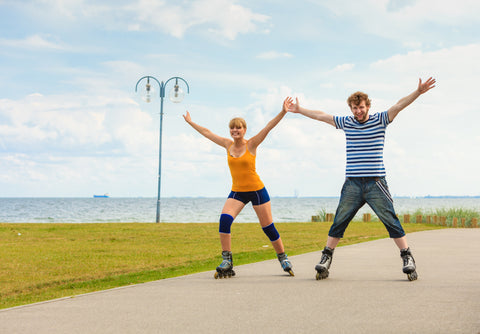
(379, 199)
(332, 242)
(351, 200)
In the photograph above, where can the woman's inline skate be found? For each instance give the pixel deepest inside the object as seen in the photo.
(285, 263)
(225, 269)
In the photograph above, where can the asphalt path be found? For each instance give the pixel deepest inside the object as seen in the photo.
(365, 293)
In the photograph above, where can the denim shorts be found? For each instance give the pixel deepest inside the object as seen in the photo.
(357, 191)
(256, 197)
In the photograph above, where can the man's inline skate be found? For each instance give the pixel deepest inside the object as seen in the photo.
(225, 269)
(285, 263)
(324, 264)
(409, 267)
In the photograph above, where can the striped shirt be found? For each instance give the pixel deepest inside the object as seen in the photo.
(365, 143)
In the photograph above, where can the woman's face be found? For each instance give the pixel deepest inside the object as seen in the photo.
(237, 132)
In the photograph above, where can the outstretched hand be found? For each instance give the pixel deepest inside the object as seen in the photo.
(187, 117)
(425, 86)
(287, 103)
(294, 107)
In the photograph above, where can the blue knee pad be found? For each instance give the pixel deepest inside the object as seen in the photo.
(225, 223)
(271, 232)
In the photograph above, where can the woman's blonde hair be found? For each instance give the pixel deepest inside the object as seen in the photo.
(237, 122)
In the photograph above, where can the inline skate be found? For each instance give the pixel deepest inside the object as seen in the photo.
(225, 269)
(285, 263)
(324, 264)
(409, 266)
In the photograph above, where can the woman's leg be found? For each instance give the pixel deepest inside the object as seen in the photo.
(264, 214)
(232, 208)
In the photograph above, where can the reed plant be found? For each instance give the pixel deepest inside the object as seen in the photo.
(40, 262)
(322, 215)
(448, 213)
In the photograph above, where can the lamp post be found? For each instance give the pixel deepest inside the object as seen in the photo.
(176, 95)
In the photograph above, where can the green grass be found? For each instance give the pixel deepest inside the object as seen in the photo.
(40, 262)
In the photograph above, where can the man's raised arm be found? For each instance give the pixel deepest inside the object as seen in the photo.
(407, 100)
(313, 114)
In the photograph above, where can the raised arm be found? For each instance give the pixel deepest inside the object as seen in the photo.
(222, 141)
(313, 114)
(259, 137)
(407, 100)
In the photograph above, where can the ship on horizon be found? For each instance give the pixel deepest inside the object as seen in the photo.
(101, 196)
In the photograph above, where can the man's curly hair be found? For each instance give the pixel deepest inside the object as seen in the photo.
(356, 98)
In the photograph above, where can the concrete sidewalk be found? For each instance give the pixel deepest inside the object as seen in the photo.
(365, 293)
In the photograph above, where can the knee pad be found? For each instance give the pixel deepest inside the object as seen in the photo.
(271, 232)
(225, 223)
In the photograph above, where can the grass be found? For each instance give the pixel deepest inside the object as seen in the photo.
(40, 262)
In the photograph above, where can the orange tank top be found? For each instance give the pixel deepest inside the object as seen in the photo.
(244, 175)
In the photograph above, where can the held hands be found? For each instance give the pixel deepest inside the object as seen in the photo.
(294, 107)
(425, 86)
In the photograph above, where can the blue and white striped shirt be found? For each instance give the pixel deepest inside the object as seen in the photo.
(365, 143)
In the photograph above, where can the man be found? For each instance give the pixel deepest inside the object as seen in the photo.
(365, 173)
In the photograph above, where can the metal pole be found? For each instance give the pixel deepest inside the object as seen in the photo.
(162, 95)
(162, 86)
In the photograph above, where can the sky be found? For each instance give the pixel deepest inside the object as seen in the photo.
(72, 125)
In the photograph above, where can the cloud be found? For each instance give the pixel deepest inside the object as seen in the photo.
(396, 5)
(73, 125)
(227, 18)
(221, 18)
(455, 68)
(73, 144)
(343, 68)
(416, 11)
(403, 20)
(274, 55)
(32, 42)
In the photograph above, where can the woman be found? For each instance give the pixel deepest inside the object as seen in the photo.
(246, 187)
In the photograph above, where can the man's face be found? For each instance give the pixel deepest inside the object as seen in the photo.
(360, 112)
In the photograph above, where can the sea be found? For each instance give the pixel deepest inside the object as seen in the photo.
(195, 210)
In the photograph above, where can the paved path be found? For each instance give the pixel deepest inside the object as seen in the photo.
(365, 293)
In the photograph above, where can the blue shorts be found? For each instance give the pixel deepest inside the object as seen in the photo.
(256, 197)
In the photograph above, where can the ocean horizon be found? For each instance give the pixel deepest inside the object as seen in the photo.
(195, 209)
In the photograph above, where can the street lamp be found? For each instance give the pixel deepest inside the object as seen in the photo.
(176, 95)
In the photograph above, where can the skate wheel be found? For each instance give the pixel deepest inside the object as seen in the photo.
(321, 275)
(215, 275)
(291, 272)
(412, 276)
